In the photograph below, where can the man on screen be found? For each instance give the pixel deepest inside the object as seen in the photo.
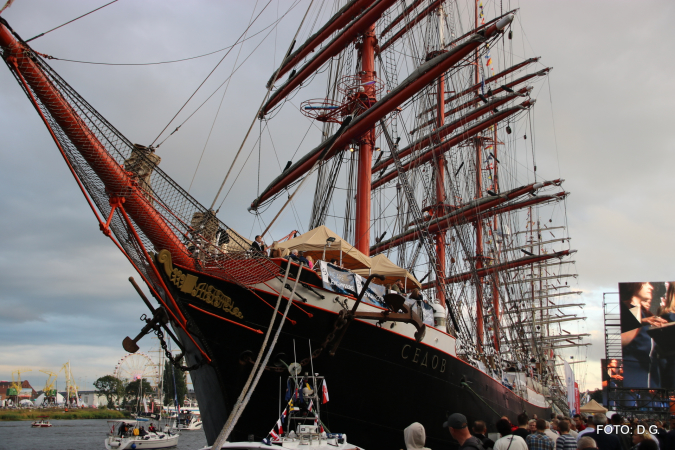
(640, 371)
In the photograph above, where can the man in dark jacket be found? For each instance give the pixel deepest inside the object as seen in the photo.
(603, 439)
(670, 436)
(522, 431)
(456, 424)
(259, 246)
(479, 429)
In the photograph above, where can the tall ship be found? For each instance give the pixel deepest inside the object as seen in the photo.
(442, 268)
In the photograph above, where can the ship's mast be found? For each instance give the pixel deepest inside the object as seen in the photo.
(478, 224)
(439, 238)
(365, 160)
(495, 280)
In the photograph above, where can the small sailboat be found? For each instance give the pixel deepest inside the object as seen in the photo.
(131, 434)
(299, 425)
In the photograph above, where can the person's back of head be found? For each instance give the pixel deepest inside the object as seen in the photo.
(564, 426)
(414, 435)
(503, 427)
(541, 425)
(599, 419)
(554, 424)
(479, 427)
(585, 442)
(522, 419)
(589, 422)
(648, 444)
(617, 419)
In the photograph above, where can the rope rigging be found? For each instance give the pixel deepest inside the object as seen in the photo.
(70, 21)
(269, 90)
(212, 71)
(273, 24)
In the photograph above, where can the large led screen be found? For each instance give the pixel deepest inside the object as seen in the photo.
(648, 334)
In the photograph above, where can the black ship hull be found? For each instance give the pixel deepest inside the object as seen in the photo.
(380, 379)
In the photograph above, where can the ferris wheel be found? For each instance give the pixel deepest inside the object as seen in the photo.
(135, 366)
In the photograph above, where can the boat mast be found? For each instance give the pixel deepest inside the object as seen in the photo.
(365, 158)
(478, 224)
(495, 279)
(439, 238)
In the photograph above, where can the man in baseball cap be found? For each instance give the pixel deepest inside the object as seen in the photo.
(456, 423)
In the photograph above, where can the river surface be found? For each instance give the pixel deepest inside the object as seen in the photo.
(73, 435)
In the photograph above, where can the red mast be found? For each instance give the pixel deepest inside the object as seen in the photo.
(365, 160)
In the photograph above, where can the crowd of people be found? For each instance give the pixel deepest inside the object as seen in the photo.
(595, 432)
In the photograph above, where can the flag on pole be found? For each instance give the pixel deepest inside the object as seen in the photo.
(571, 394)
(311, 404)
(280, 427)
(324, 391)
(274, 435)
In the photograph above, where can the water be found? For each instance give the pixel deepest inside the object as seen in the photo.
(73, 435)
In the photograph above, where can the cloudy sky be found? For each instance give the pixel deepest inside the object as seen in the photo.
(63, 289)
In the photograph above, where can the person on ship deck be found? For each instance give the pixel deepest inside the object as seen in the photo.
(397, 286)
(258, 246)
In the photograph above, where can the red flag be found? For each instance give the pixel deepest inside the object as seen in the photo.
(274, 435)
(324, 391)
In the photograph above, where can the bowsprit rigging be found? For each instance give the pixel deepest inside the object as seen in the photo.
(429, 173)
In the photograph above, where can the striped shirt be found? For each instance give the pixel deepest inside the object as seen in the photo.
(566, 442)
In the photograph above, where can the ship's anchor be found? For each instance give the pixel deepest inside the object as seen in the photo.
(395, 301)
(158, 321)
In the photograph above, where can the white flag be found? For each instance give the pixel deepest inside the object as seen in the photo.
(569, 382)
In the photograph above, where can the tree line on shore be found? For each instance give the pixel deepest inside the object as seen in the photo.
(125, 393)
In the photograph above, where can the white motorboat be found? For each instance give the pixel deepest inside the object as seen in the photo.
(42, 423)
(188, 420)
(131, 434)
